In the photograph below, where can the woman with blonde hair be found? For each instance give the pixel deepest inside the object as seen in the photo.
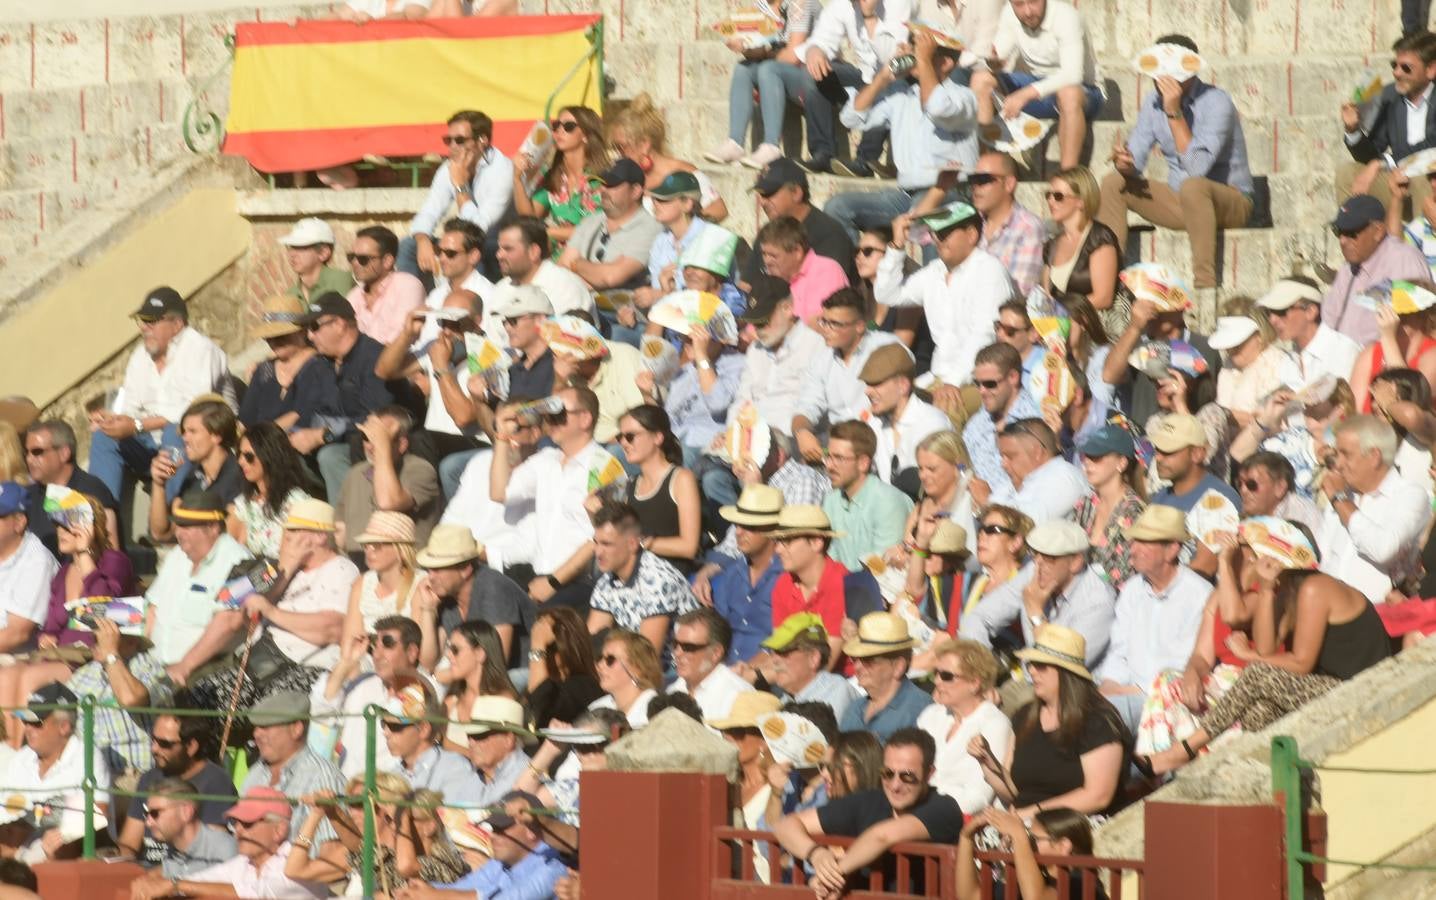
(568, 189)
(1083, 258)
(12, 455)
(942, 466)
(639, 131)
(1001, 549)
(629, 673)
(964, 677)
(387, 586)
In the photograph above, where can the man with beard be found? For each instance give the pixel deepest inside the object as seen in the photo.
(183, 842)
(524, 258)
(178, 745)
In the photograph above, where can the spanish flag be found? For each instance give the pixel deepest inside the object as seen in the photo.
(308, 95)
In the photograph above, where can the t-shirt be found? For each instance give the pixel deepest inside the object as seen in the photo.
(850, 816)
(1041, 769)
(634, 239)
(532, 382)
(356, 499)
(825, 237)
(497, 599)
(1186, 501)
(211, 780)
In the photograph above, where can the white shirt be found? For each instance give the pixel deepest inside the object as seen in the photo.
(958, 774)
(637, 713)
(1329, 352)
(840, 23)
(1050, 491)
(194, 365)
(475, 282)
(59, 786)
(1154, 631)
(558, 488)
(492, 187)
(716, 692)
(1416, 116)
(505, 529)
(268, 882)
(1057, 51)
(832, 391)
(1381, 543)
(1244, 390)
(960, 305)
(325, 589)
(975, 21)
(25, 585)
(772, 380)
(565, 290)
(898, 440)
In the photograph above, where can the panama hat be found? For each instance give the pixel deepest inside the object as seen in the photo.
(747, 707)
(1055, 645)
(309, 514)
(386, 527)
(948, 538)
(1159, 523)
(758, 506)
(449, 545)
(804, 521)
(280, 315)
(879, 633)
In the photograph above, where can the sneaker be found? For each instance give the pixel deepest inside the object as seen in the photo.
(765, 154)
(852, 168)
(818, 165)
(730, 151)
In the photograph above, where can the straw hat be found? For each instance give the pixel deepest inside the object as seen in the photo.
(492, 713)
(1056, 645)
(747, 707)
(280, 315)
(198, 507)
(879, 633)
(758, 507)
(309, 514)
(1159, 523)
(449, 545)
(388, 528)
(805, 521)
(948, 538)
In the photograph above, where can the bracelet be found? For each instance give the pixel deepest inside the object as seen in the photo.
(538, 773)
(1038, 807)
(554, 583)
(303, 842)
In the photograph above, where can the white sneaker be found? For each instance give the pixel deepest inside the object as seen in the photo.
(728, 152)
(765, 154)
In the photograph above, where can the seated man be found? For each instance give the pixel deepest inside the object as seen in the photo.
(460, 587)
(1014, 328)
(813, 582)
(416, 745)
(1057, 586)
(504, 530)
(1042, 62)
(1372, 256)
(899, 420)
(998, 377)
(26, 570)
(286, 764)
(309, 245)
(637, 590)
(1293, 309)
(182, 842)
(50, 459)
(777, 361)
(1196, 128)
(1048, 486)
(172, 365)
(782, 189)
(741, 590)
(1180, 443)
(868, 513)
(383, 298)
(1371, 533)
(1157, 317)
(611, 250)
(798, 661)
(523, 310)
(123, 670)
(460, 255)
(933, 120)
(496, 754)
(524, 258)
(881, 655)
(1402, 123)
(903, 810)
(391, 479)
(177, 751)
(1010, 231)
(700, 645)
(522, 865)
(811, 278)
(476, 178)
(1267, 482)
(1158, 614)
(210, 432)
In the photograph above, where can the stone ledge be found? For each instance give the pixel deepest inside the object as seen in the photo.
(286, 203)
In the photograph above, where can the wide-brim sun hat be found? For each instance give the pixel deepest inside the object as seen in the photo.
(804, 521)
(880, 633)
(1056, 645)
(759, 506)
(746, 709)
(385, 527)
(449, 545)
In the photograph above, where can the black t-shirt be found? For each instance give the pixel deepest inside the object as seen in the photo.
(211, 780)
(40, 524)
(825, 236)
(532, 382)
(227, 484)
(314, 391)
(563, 701)
(1041, 769)
(497, 599)
(850, 816)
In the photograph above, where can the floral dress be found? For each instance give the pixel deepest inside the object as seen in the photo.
(568, 207)
(1111, 550)
(262, 531)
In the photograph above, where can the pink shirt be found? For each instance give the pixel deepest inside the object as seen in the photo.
(382, 315)
(815, 282)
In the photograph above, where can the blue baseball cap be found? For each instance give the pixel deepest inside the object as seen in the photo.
(12, 498)
(1107, 440)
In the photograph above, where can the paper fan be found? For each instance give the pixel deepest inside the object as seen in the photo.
(485, 355)
(1157, 283)
(1054, 332)
(1052, 383)
(793, 739)
(1369, 87)
(748, 437)
(681, 310)
(1016, 135)
(67, 507)
(539, 149)
(1168, 60)
(572, 337)
(465, 832)
(942, 36)
(659, 357)
(1278, 539)
(1213, 513)
(604, 471)
(126, 612)
(1419, 165)
(1318, 391)
(613, 301)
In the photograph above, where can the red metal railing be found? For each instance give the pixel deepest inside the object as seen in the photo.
(920, 871)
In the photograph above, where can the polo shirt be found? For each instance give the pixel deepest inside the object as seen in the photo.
(384, 312)
(531, 380)
(183, 595)
(840, 594)
(871, 521)
(356, 499)
(855, 813)
(716, 692)
(747, 606)
(330, 279)
(25, 578)
(826, 237)
(268, 880)
(446, 772)
(1393, 259)
(39, 523)
(817, 279)
(900, 712)
(634, 239)
(1185, 502)
(832, 689)
(360, 390)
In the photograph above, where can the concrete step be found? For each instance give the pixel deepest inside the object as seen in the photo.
(93, 160)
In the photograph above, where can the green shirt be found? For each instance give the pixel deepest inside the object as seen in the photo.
(330, 279)
(870, 522)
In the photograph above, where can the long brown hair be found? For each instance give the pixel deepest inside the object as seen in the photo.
(596, 156)
(865, 752)
(1078, 701)
(494, 676)
(571, 653)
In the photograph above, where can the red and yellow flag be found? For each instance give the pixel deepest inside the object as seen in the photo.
(307, 95)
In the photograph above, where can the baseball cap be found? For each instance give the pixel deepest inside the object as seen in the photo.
(1177, 432)
(1107, 440)
(766, 293)
(623, 171)
(161, 302)
(52, 694)
(260, 803)
(803, 625)
(1287, 293)
(778, 173)
(1232, 332)
(677, 184)
(521, 300)
(307, 232)
(1358, 212)
(945, 217)
(331, 303)
(12, 498)
(888, 361)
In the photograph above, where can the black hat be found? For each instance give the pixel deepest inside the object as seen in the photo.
(161, 302)
(331, 303)
(1358, 212)
(52, 694)
(778, 173)
(767, 292)
(198, 507)
(623, 171)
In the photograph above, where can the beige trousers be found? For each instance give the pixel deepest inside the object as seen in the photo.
(1199, 208)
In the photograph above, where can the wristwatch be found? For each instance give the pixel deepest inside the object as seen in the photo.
(1343, 496)
(554, 583)
(537, 655)
(139, 425)
(705, 364)
(1037, 619)
(111, 659)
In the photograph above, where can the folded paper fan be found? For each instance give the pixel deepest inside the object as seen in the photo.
(793, 739)
(613, 300)
(485, 355)
(68, 507)
(604, 471)
(659, 357)
(466, 832)
(1278, 539)
(1054, 331)
(942, 36)
(1157, 283)
(1419, 165)
(1155, 358)
(1168, 60)
(681, 310)
(573, 337)
(748, 438)
(1212, 514)
(126, 612)
(1052, 383)
(1016, 135)
(1368, 87)
(539, 149)
(1403, 297)
(754, 26)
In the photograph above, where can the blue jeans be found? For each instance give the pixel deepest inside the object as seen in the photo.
(109, 459)
(819, 104)
(408, 261)
(856, 209)
(333, 460)
(1046, 108)
(772, 98)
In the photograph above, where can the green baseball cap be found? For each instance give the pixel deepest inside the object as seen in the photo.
(944, 217)
(677, 184)
(799, 626)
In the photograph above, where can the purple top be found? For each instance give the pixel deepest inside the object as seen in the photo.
(113, 577)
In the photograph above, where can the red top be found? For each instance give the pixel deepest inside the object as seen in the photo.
(1378, 364)
(1220, 632)
(828, 601)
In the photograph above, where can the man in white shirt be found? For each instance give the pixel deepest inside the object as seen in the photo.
(460, 253)
(1048, 486)
(26, 570)
(900, 420)
(960, 291)
(1043, 64)
(1159, 612)
(476, 178)
(779, 357)
(700, 645)
(172, 365)
(1293, 307)
(1371, 533)
(524, 259)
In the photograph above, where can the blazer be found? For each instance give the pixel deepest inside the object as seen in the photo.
(1388, 129)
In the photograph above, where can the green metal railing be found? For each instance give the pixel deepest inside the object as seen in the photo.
(1286, 781)
(87, 707)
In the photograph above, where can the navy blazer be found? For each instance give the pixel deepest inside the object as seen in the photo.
(1388, 129)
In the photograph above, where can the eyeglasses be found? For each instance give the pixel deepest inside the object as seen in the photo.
(163, 743)
(362, 259)
(1010, 330)
(993, 528)
(589, 749)
(984, 384)
(153, 814)
(690, 647)
(944, 675)
(38, 451)
(1056, 196)
(869, 251)
(909, 778)
(320, 323)
(627, 437)
(1250, 484)
(825, 322)
(568, 125)
(248, 456)
(455, 140)
(1403, 68)
(556, 418)
(446, 253)
(387, 641)
(978, 179)
(511, 321)
(1350, 234)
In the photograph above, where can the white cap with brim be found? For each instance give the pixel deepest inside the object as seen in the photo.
(308, 232)
(1231, 332)
(1059, 538)
(1286, 294)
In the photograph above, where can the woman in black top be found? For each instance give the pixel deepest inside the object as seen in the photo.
(1069, 748)
(665, 495)
(907, 322)
(563, 680)
(1083, 258)
(294, 386)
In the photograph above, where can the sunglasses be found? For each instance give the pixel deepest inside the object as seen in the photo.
(825, 322)
(391, 725)
(608, 659)
(994, 528)
(1349, 233)
(945, 676)
(164, 744)
(1250, 484)
(1403, 68)
(869, 251)
(984, 384)
(628, 437)
(1010, 330)
(568, 125)
(1056, 196)
(446, 253)
(387, 641)
(248, 456)
(978, 179)
(362, 259)
(455, 140)
(38, 451)
(908, 778)
(690, 647)
(153, 814)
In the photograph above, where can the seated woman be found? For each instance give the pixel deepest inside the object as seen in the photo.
(639, 131)
(424, 842)
(1304, 440)
(476, 669)
(1403, 398)
(1001, 550)
(568, 190)
(210, 433)
(387, 586)
(963, 681)
(581, 747)
(1336, 634)
(751, 794)
(1083, 258)
(629, 673)
(274, 479)
(942, 465)
(1406, 341)
(907, 322)
(1052, 832)
(665, 495)
(297, 384)
(1070, 745)
(937, 583)
(563, 681)
(1119, 494)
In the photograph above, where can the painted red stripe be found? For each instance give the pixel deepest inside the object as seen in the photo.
(294, 151)
(40, 198)
(82, 109)
(269, 34)
(2, 117)
(107, 51)
(32, 55)
(75, 160)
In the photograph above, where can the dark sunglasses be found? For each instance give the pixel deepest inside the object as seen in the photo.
(455, 140)
(869, 251)
(1349, 233)
(609, 659)
(627, 437)
(994, 528)
(978, 179)
(446, 253)
(945, 676)
(387, 641)
(568, 125)
(362, 259)
(588, 749)
(392, 725)
(1250, 484)
(909, 778)
(690, 647)
(1010, 330)
(38, 451)
(987, 385)
(164, 744)
(825, 322)
(248, 456)
(152, 814)
(1403, 68)
(1056, 196)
